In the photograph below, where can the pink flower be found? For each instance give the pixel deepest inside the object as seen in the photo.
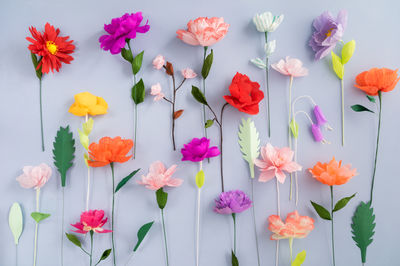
(188, 73)
(91, 220)
(156, 91)
(34, 176)
(159, 177)
(204, 31)
(158, 62)
(292, 67)
(296, 226)
(275, 161)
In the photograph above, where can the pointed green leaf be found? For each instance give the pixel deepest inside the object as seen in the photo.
(363, 225)
(137, 63)
(141, 234)
(35, 63)
(88, 126)
(337, 65)
(300, 258)
(343, 202)
(249, 142)
(125, 180)
(162, 198)
(39, 216)
(207, 65)
(294, 128)
(235, 261)
(15, 221)
(198, 95)
(127, 55)
(74, 239)
(209, 123)
(105, 255)
(83, 139)
(63, 152)
(200, 178)
(322, 212)
(371, 99)
(86, 157)
(360, 108)
(347, 51)
(138, 92)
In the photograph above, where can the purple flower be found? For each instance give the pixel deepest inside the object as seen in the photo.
(328, 31)
(120, 30)
(198, 149)
(317, 133)
(319, 116)
(234, 201)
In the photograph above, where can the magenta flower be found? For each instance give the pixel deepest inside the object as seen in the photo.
(328, 32)
(198, 149)
(230, 202)
(120, 30)
(91, 220)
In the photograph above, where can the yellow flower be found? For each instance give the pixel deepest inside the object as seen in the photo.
(88, 104)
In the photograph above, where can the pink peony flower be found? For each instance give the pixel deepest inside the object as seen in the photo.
(158, 62)
(159, 177)
(204, 31)
(291, 67)
(91, 220)
(35, 176)
(275, 161)
(156, 91)
(188, 73)
(296, 226)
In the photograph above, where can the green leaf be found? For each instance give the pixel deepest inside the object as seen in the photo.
(127, 55)
(235, 261)
(15, 221)
(322, 212)
(249, 142)
(63, 152)
(141, 234)
(39, 216)
(363, 226)
(125, 180)
(138, 92)
(209, 123)
(300, 258)
(198, 95)
(200, 178)
(343, 202)
(36, 62)
(347, 51)
(83, 139)
(105, 255)
(207, 65)
(337, 65)
(88, 126)
(371, 99)
(162, 198)
(294, 128)
(360, 108)
(137, 63)
(74, 239)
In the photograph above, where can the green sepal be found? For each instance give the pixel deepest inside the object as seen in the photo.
(162, 198)
(300, 258)
(294, 128)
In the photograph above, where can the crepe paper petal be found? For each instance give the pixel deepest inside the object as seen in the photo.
(363, 225)
(348, 51)
(109, 150)
(35, 176)
(74, 239)
(337, 65)
(343, 202)
(300, 258)
(200, 178)
(266, 22)
(105, 255)
(249, 142)
(159, 176)
(290, 67)
(88, 104)
(321, 211)
(232, 202)
(259, 63)
(141, 234)
(63, 152)
(333, 173)
(125, 180)
(269, 48)
(188, 73)
(39, 216)
(15, 221)
(360, 108)
(158, 62)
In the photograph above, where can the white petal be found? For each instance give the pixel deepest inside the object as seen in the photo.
(277, 21)
(270, 47)
(258, 63)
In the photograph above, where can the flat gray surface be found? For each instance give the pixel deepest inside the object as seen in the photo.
(373, 25)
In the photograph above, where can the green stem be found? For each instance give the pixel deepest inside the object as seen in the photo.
(135, 143)
(165, 236)
(234, 232)
(377, 144)
(342, 87)
(41, 112)
(62, 229)
(91, 247)
(204, 92)
(36, 228)
(333, 238)
(267, 82)
(112, 212)
(289, 136)
(254, 220)
(291, 249)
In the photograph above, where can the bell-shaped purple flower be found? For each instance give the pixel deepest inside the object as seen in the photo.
(320, 117)
(198, 149)
(234, 201)
(317, 133)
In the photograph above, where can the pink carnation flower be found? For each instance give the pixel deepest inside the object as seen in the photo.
(91, 220)
(35, 176)
(295, 226)
(159, 177)
(156, 91)
(188, 73)
(158, 62)
(290, 67)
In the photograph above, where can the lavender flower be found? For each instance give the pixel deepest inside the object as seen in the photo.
(198, 149)
(318, 136)
(230, 202)
(320, 118)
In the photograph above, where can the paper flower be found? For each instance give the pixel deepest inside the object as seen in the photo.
(91, 220)
(198, 149)
(266, 22)
(159, 177)
(317, 134)
(328, 32)
(109, 150)
(188, 73)
(234, 201)
(156, 91)
(332, 173)
(88, 104)
(290, 67)
(377, 80)
(120, 29)
(245, 94)
(35, 176)
(158, 62)
(319, 116)
(204, 31)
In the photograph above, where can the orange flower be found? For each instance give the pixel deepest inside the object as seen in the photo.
(377, 79)
(109, 150)
(333, 173)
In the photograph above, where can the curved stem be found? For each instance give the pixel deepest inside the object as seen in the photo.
(36, 228)
(41, 112)
(221, 139)
(267, 82)
(91, 247)
(377, 145)
(333, 238)
(254, 220)
(165, 236)
(342, 87)
(304, 113)
(112, 212)
(204, 92)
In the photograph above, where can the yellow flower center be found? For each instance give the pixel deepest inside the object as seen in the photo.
(329, 33)
(51, 47)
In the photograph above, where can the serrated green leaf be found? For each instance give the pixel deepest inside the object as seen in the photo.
(347, 51)
(363, 225)
(35, 63)
(249, 142)
(88, 126)
(235, 261)
(127, 55)
(63, 152)
(200, 178)
(209, 123)
(137, 63)
(138, 92)
(162, 198)
(74, 239)
(39, 216)
(371, 99)
(294, 128)
(337, 65)
(83, 139)
(104, 256)
(207, 65)
(360, 108)
(198, 95)
(141, 234)
(125, 180)
(15, 221)
(300, 258)
(322, 212)
(343, 202)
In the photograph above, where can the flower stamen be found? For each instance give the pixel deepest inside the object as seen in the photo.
(52, 47)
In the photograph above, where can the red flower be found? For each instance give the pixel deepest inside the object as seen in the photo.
(245, 94)
(91, 220)
(52, 48)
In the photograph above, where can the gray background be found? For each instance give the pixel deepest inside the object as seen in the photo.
(373, 25)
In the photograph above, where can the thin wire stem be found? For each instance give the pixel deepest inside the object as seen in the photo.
(198, 220)
(204, 92)
(62, 227)
(291, 249)
(136, 122)
(279, 214)
(295, 174)
(91, 247)
(36, 228)
(41, 112)
(112, 213)
(165, 237)
(267, 82)
(377, 145)
(88, 177)
(289, 136)
(220, 146)
(135, 116)
(254, 221)
(342, 88)
(333, 238)
(234, 232)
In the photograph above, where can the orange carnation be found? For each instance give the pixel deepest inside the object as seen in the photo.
(377, 79)
(109, 150)
(332, 173)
